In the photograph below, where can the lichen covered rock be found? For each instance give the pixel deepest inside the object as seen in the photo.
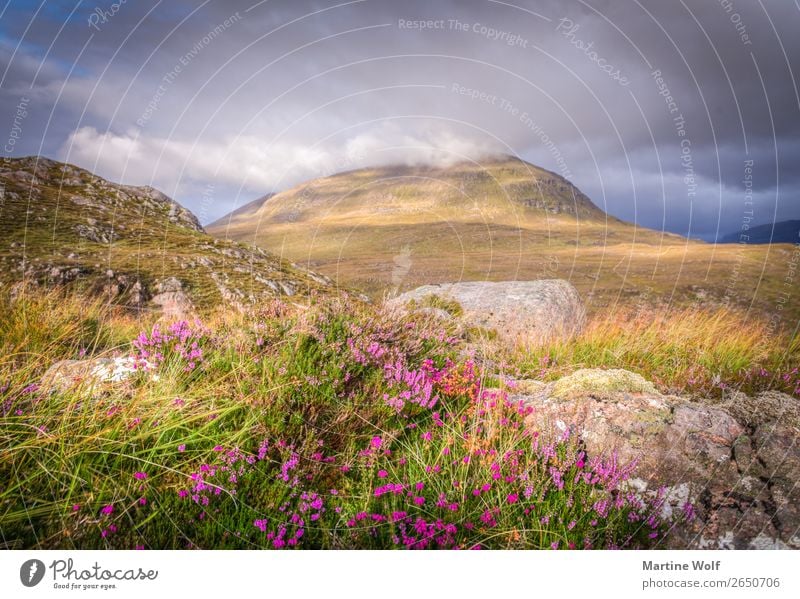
(737, 476)
(596, 381)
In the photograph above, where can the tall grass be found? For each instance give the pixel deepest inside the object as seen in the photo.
(694, 351)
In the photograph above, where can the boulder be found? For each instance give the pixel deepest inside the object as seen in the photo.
(741, 480)
(526, 312)
(172, 300)
(67, 375)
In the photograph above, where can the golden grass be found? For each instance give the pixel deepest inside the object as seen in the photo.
(690, 350)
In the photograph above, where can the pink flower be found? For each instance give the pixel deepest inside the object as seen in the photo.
(376, 442)
(143, 501)
(107, 510)
(512, 498)
(382, 474)
(260, 525)
(140, 475)
(181, 448)
(76, 507)
(426, 436)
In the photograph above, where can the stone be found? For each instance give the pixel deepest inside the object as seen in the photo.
(598, 381)
(67, 375)
(742, 481)
(525, 312)
(767, 406)
(172, 300)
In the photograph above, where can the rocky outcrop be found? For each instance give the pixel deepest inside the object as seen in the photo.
(525, 312)
(601, 383)
(740, 477)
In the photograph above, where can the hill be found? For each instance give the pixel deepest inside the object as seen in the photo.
(242, 211)
(60, 224)
(787, 231)
(390, 229)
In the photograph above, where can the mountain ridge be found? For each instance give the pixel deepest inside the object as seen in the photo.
(786, 231)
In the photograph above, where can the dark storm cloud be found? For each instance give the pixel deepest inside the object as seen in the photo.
(652, 108)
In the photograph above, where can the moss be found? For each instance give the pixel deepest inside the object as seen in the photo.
(449, 305)
(594, 381)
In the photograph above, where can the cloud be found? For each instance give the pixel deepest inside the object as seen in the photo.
(255, 165)
(300, 89)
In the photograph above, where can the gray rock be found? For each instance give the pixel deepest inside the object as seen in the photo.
(138, 295)
(597, 382)
(742, 481)
(520, 311)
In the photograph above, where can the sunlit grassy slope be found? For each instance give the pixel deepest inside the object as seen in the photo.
(382, 229)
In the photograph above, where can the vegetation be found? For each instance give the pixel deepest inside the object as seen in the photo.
(327, 425)
(449, 305)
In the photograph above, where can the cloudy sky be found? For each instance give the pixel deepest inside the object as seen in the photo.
(653, 108)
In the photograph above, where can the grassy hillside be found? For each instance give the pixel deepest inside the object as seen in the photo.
(60, 224)
(395, 228)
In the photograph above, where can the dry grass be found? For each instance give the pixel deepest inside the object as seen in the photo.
(694, 351)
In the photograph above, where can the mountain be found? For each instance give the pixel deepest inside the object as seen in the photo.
(242, 211)
(60, 224)
(787, 231)
(390, 229)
